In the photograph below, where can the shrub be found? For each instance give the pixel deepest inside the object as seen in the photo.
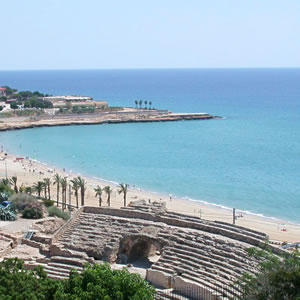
(278, 277)
(94, 282)
(101, 282)
(22, 200)
(16, 282)
(55, 211)
(48, 202)
(33, 211)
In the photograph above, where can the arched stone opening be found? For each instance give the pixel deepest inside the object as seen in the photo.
(140, 251)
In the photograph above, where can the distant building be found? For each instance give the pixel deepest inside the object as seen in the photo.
(75, 100)
(71, 98)
(2, 91)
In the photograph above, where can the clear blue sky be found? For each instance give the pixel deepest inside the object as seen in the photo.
(84, 34)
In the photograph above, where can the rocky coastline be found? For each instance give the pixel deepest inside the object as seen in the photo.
(104, 118)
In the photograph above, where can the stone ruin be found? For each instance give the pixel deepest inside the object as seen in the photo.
(175, 251)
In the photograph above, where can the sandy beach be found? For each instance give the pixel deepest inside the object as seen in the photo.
(29, 171)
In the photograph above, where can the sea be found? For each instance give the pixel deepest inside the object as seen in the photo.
(249, 159)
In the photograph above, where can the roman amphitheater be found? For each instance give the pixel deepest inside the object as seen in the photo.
(173, 251)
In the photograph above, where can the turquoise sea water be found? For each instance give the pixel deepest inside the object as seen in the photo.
(249, 160)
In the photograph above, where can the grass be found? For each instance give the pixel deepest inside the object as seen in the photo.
(54, 211)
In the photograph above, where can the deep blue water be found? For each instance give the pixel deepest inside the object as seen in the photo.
(250, 160)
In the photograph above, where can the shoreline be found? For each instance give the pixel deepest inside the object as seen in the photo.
(277, 229)
(118, 117)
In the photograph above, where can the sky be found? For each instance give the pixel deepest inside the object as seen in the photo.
(96, 34)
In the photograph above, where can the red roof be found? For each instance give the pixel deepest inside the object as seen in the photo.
(2, 89)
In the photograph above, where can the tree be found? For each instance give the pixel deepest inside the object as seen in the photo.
(5, 190)
(47, 182)
(145, 104)
(17, 282)
(38, 187)
(9, 91)
(13, 181)
(45, 189)
(140, 103)
(108, 191)
(94, 282)
(64, 184)
(56, 181)
(75, 187)
(13, 105)
(99, 191)
(82, 185)
(278, 277)
(150, 104)
(136, 103)
(123, 189)
(101, 282)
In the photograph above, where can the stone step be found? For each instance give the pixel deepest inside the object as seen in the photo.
(212, 285)
(32, 264)
(56, 265)
(205, 261)
(57, 273)
(68, 260)
(162, 268)
(59, 269)
(168, 294)
(220, 255)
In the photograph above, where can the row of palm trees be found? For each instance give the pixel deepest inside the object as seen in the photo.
(140, 103)
(123, 189)
(78, 185)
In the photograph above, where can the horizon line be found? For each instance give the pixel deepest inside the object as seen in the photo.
(149, 68)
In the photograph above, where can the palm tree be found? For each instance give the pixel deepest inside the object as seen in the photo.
(145, 104)
(28, 190)
(123, 189)
(136, 103)
(64, 184)
(150, 103)
(45, 189)
(99, 191)
(38, 187)
(6, 181)
(108, 191)
(75, 187)
(13, 181)
(47, 182)
(82, 185)
(56, 181)
(140, 103)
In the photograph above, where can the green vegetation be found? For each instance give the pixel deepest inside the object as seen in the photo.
(26, 98)
(21, 200)
(5, 190)
(17, 283)
(27, 205)
(140, 104)
(76, 187)
(54, 211)
(98, 194)
(123, 190)
(48, 202)
(56, 180)
(278, 277)
(108, 191)
(101, 282)
(94, 282)
(37, 103)
(33, 211)
(83, 109)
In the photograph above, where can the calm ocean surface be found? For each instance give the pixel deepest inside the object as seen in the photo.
(250, 160)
